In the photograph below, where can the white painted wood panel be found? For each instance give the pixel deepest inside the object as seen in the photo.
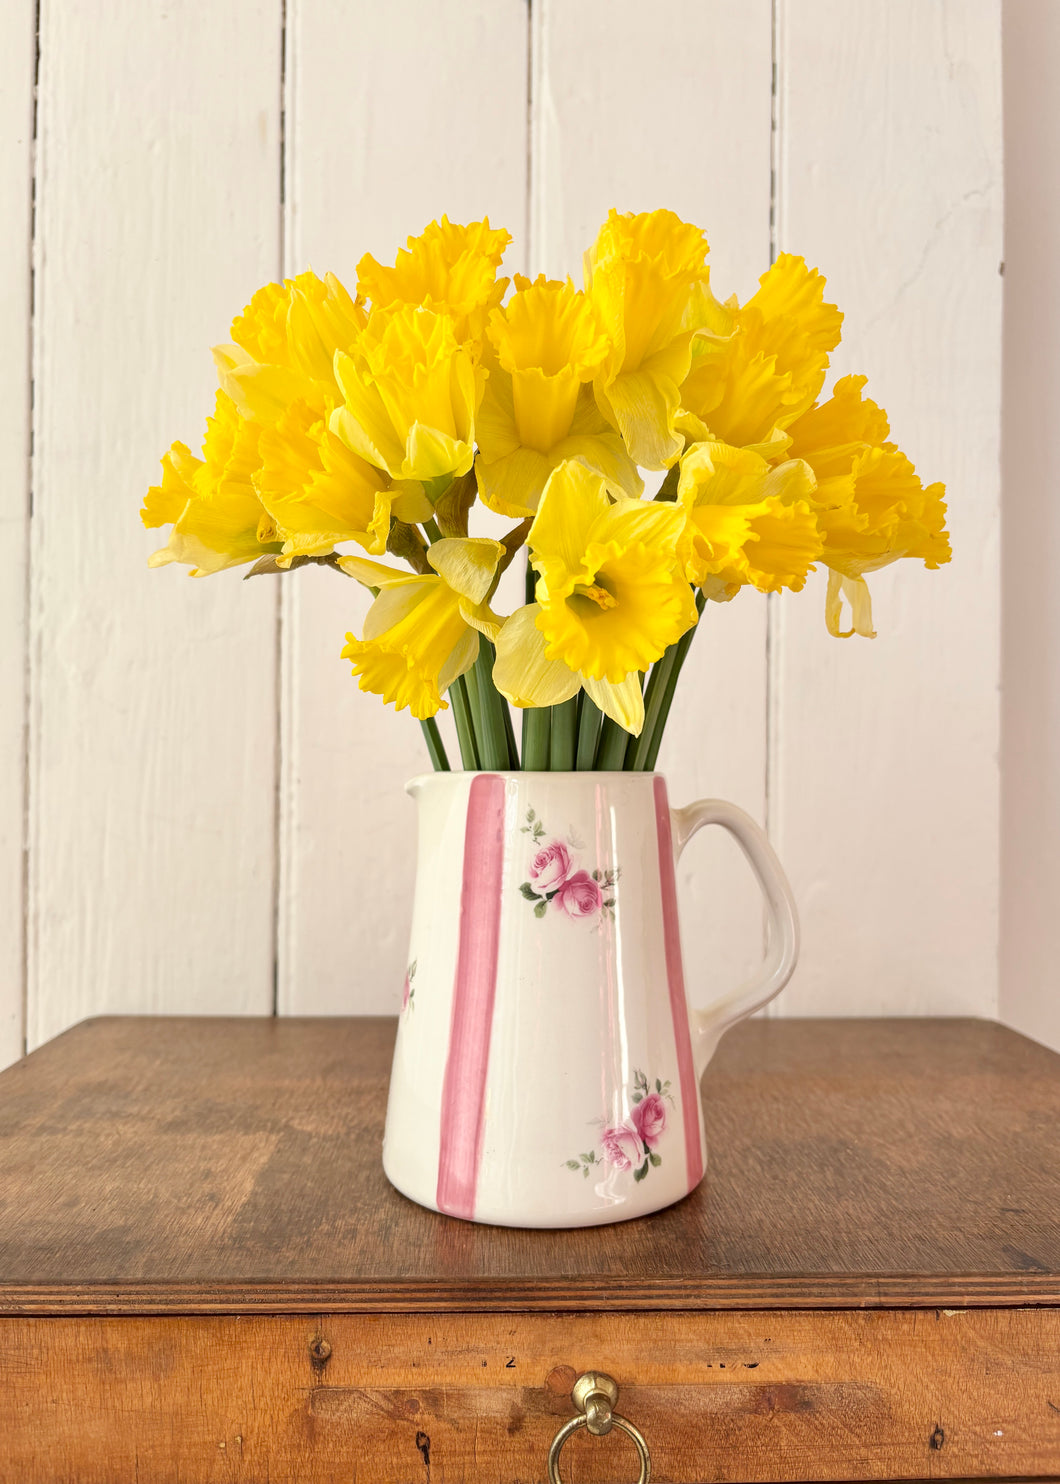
(1030, 746)
(396, 114)
(884, 768)
(153, 706)
(641, 107)
(153, 781)
(17, 56)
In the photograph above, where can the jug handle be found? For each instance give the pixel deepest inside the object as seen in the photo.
(778, 965)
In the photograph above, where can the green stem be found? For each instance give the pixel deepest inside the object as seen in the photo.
(433, 533)
(509, 732)
(564, 736)
(668, 489)
(465, 729)
(487, 703)
(653, 692)
(611, 752)
(589, 721)
(471, 681)
(531, 741)
(435, 746)
(537, 729)
(657, 706)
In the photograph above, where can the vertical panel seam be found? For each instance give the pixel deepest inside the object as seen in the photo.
(771, 607)
(529, 207)
(279, 757)
(29, 668)
(773, 599)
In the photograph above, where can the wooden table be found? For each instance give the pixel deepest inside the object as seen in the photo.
(204, 1275)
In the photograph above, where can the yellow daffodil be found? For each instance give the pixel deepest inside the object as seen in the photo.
(411, 395)
(284, 346)
(421, 633)
(359, 420)
(549, 341)
(640, 276)
(611, 598)
(525, 675)
(872, 507)
(448, 268)
(748, 523)
(748, 382)
(317, 492)
(538, 409)
(218, 520)
(830, 434)
(612, 595)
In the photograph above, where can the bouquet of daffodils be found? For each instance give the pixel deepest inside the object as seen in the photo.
(352, 429)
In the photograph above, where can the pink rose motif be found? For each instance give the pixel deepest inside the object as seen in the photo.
(550, 867)
(649, 1118)
(579, 896)
(622, 1147)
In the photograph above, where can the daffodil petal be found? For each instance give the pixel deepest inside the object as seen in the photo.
(622, 701)
(395, 602)
(416, 641)
(431, 454)
(513, 484)
(449, 267)
(461, 658)
(574, 499)
(856, 592)
(316, 490)
(362, 423)
(468, 564)
(650, 521)
(512, 478)
(221, 522)
(165, 503)
(374, 574)
(410, 501)
(522, 673)
(482, 618)
(642, 406)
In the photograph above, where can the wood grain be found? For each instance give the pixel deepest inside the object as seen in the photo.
(884, 796)
(736, 1396)
(153, 781)
(232, 1165)
(17, 46)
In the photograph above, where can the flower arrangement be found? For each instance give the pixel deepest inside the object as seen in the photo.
(386, 421)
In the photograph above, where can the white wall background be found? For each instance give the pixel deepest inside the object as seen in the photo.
(1030, 798)
(199, 811)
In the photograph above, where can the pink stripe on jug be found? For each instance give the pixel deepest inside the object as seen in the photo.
(675, 975)
(464, 1088)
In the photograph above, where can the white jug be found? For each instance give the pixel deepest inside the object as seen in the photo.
(547, 1066)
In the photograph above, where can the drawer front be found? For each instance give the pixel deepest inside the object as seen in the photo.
(477, 1399)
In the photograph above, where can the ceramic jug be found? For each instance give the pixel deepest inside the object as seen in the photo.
(547, 1065)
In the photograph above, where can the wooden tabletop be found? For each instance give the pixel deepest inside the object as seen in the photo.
(165, 1165)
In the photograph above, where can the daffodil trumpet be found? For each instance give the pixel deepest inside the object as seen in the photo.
(383, 433)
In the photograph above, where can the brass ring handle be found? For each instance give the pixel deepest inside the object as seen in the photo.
(594, 1394)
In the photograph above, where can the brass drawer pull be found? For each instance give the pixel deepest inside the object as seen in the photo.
(594, 1394)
